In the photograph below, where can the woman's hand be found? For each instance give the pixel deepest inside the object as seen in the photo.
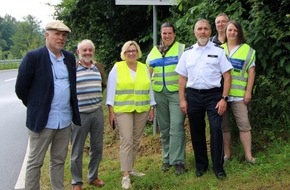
(151, 114)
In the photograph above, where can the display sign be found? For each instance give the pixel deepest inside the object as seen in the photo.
(147, 2)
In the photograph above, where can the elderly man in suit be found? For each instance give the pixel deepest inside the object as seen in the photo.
(46, 84)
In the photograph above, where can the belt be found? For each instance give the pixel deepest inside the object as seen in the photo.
(206, 91)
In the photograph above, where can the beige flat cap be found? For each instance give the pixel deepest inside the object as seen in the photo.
(57, 25)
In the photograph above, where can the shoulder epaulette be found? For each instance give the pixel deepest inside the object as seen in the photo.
(188, 48)
(218, 46)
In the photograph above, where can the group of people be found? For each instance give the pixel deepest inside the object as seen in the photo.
(63, 97)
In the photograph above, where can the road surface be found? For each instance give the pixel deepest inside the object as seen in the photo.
(14, 138)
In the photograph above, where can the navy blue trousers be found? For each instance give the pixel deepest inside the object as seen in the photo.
(199, 103)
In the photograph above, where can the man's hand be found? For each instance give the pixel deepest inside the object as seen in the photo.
(183, 106)
(221, 106)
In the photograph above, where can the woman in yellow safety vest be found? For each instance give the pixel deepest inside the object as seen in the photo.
(131, 103)
(162, 61)
(242, 57)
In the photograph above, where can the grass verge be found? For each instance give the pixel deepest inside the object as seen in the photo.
(271, 172)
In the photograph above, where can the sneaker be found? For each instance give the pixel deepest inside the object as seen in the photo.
(179, 169)
(252, 160)
(226, 158)
(126, 182)
(137, 174)
(165, 167)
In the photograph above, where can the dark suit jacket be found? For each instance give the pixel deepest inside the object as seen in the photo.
(35, 87)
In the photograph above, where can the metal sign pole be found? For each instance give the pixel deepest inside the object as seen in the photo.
(154, 25)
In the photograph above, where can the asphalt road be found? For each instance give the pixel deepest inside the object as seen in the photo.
(13, 138)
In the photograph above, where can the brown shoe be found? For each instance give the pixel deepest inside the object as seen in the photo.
(77, 187)
(97, 183)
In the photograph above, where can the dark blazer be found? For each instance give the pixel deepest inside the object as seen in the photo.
(35, 87)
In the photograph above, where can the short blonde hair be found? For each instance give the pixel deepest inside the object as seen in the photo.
(126, 46)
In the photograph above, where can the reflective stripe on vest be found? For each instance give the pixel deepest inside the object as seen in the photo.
(132, 95)
(241, 59)
(164, 67)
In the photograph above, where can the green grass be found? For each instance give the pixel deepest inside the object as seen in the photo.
(9, 66)
(271, 172)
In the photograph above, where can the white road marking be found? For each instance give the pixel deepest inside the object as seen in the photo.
(10, 79)
(20, 184)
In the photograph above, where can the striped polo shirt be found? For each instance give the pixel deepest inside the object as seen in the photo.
(89, 88)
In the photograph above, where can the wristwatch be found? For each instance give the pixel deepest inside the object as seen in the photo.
(225, 98)
(152, 107)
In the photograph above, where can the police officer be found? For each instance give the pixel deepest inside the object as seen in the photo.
(200, 70)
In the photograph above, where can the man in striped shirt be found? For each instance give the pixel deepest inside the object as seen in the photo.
(89, 93)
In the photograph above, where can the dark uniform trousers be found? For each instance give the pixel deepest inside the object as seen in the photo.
(201, 102)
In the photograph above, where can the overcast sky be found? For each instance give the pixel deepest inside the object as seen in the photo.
(22, 8)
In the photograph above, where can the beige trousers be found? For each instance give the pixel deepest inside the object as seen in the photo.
(131, 127)
(57, 140)
(240, 112)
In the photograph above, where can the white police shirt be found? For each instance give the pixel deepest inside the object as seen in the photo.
(203, 66)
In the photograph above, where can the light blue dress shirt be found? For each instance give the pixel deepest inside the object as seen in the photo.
(60, 115)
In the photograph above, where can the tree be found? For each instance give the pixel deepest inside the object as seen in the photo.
(108, 25)
(28, 36)
(7, 29)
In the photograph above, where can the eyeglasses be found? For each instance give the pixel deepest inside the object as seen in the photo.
(221, 21)
(131, 51)
(59, 75)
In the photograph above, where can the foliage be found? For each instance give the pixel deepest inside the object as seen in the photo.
(270, 36)
(9, 66)
(270, 107)
(100, 22)
(28, 36)
(16, 38)
(7, 29)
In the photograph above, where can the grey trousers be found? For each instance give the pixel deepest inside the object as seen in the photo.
(93, 124)
(58, 139)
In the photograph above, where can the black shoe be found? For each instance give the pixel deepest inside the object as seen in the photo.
(200, 173)
(179, 169)
(221, 175)
(165, 167)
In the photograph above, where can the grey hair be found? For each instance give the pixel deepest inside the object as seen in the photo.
(86, 41)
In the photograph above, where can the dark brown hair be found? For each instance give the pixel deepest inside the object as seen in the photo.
(167, 24)
(241, 37)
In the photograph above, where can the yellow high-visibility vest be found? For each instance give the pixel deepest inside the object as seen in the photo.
(164, 67)
(132, 94)
(241, 59)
